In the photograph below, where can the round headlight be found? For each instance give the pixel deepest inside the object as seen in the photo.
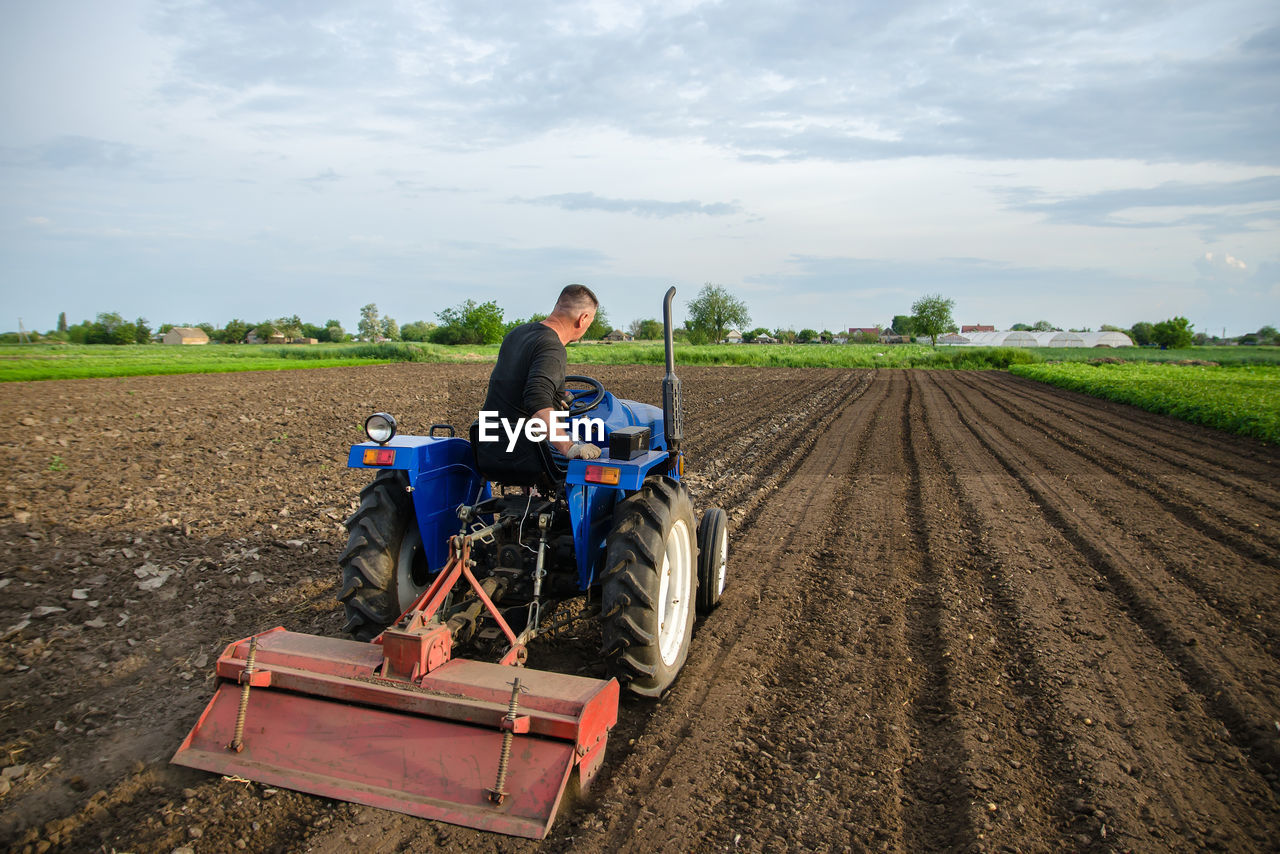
(380, 427)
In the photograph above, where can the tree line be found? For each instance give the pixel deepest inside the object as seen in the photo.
(711, 314)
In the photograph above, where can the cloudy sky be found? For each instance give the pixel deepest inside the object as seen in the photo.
(1097, 161)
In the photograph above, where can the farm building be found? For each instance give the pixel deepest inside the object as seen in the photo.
(274, 337)
(965, 330)
(617, 335)
(186, 335)
(953, 339)
(733, 337)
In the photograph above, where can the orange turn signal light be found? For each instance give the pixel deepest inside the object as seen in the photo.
(379, 457)
(603, 474)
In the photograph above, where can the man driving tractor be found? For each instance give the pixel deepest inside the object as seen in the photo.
(528, 383)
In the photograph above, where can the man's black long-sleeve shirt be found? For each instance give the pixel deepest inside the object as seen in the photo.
(528, 377)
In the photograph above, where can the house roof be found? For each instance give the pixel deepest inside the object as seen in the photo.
(190, 332)
(977, 328)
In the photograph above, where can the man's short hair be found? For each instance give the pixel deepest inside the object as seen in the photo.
(577, 298)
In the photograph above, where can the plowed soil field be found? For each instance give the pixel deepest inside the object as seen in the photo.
(966, 612)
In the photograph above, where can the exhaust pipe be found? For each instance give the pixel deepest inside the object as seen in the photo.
(672, 411)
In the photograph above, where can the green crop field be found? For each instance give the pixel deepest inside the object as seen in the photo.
(70, 361)
(804, 355)
(1240, 399)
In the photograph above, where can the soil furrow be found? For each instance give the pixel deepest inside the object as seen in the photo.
(1238, 464)
(1036, 705)
(1232, 704)
(938, 807)
(1249, 538)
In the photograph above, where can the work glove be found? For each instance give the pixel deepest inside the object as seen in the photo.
(583, 451)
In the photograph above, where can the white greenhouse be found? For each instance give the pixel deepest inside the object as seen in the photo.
(1106, 339)
(1002, 339)
(1013, 338)
(1058, 339)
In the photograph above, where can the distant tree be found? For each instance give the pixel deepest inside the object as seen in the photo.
(748, 337)
(264, 331)
(903, 325)
(470, 322)
(334, 332)
(390, 329)
(234, 331)
(207, 327)
(804, 336)
(62, 321)
(163, 328)
(78, 333)
(931, 315)
(1268, 335)
(1173, 333)
(1021, 327)
(1083, 329)
(1043, 326)
(418, 330)
(141, 331)
(1107, 327)
(369, 326)
(865, 338)
(646, 330)
(290, 327)
(692, 335)
(826, 336)
(714, 311)
(1142, 333)
(124, 333)
(785, 336)
(599, 326)
(310, 330)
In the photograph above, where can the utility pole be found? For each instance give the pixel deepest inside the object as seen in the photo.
(23, 338)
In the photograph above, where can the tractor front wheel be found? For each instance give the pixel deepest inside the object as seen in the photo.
(713, 558)
(649, 586)
(383, 566)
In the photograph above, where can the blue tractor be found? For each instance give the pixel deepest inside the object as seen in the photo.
(621, 529)
(440, 562)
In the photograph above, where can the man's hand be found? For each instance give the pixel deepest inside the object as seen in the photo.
(583, 451)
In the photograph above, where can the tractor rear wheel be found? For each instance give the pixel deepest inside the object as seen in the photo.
(649, 586)
(383, 566)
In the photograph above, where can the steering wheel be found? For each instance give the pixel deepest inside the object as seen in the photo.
(584, 399)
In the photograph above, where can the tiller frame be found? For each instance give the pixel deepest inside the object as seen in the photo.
(400, 724)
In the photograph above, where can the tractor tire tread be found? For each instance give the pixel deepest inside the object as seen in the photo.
(635, 550)
(368, 566)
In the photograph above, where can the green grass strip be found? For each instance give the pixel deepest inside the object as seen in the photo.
(1244, 400)
(20, 363)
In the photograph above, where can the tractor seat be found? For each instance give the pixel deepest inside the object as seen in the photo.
(546, 471)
